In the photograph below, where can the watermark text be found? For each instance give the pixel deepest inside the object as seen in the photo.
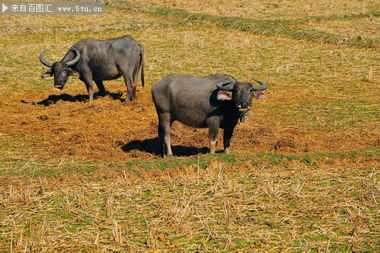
(44, 8)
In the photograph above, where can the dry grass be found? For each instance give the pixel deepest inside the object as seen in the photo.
(113, 18)
(263, 208)
(78, 176)
(267, 9)
(364, 27)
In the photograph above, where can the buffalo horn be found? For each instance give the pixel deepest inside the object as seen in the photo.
(76, 59)
(262, 86)
(43, 61)
(227, 86)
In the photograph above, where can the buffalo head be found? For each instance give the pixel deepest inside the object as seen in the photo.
(61, 70)
(240, 93)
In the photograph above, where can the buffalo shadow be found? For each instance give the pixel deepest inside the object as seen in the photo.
(154, 147)
(52, 99)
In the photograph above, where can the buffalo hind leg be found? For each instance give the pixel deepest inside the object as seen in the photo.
(102, 90)
(227, 135)
(164, 126)
(131, 87)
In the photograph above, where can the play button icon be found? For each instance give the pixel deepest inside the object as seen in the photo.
(4, 8)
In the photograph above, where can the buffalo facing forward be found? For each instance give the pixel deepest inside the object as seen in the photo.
(216, 101)
(100, 60)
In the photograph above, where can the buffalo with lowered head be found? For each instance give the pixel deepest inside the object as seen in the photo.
(216, 101)
(100, 60)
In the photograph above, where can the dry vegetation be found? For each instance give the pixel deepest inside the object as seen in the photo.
(297, 208)
(111, 19)
(303, 176)
(363, 27)
(269, 9)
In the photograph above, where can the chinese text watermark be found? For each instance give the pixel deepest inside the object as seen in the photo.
(60, 8)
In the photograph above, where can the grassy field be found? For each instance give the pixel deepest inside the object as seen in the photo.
(303, 174)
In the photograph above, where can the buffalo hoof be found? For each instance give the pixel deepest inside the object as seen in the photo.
(129, 98)
(103, 93)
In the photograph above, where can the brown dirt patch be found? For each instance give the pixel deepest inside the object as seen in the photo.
(111, 130)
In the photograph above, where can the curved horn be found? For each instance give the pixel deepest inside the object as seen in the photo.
(260, 88)
(76, 59)
(43, 61)
(227, 86)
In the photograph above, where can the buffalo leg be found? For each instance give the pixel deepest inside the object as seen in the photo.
(227, 139)
(102, 90)
(213, 128)
(131, 87)
(90, 88)
(164, 133)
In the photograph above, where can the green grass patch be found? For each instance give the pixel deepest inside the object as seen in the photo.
(55, 167)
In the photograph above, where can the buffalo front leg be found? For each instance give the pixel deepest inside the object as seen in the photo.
(212, 136)
(102, 90)
(227, 135)
(164, 125)
(90, 88)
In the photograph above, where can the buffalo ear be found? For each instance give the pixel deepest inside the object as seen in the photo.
(47, 74)
(224, 95)
(72, 72)
(259, 95)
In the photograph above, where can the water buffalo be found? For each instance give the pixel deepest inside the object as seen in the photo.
(216, 101)
(100, 60)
